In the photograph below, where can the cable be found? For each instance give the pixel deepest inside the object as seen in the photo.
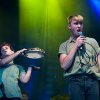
(87, 55)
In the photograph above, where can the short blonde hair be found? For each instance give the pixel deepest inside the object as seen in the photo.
(75, 17)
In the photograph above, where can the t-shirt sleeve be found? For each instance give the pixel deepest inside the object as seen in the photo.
(96, 46)
(21, 70)
(62, 49)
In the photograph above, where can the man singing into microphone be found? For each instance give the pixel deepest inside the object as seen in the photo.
(79, 57)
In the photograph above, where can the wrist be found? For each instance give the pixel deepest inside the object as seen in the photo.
(18, 52)
(76, 46)
(29, 68)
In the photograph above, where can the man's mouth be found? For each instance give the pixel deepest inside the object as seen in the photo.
(78, 30)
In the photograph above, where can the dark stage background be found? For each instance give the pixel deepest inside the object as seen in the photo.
(43, 24)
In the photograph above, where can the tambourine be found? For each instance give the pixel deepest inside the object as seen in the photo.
(34, 53)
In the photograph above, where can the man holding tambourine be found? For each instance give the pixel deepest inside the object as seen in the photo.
(10, 73)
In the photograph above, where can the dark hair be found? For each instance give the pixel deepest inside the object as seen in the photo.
(5, 44)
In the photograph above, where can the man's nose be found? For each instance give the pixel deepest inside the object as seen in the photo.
(79, 25)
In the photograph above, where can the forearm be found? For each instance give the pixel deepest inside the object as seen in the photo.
(8, 59)
(25, 78)
(98, 60)
(67, 60)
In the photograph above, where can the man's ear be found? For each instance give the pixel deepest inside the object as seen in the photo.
(69, 27)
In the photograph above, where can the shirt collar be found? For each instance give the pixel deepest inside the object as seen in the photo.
(71, 39)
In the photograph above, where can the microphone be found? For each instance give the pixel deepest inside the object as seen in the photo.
(81, 34)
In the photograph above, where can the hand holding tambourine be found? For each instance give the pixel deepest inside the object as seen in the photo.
(34, 53)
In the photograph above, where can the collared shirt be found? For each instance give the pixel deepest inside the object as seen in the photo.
(85, 58)
(9, 77)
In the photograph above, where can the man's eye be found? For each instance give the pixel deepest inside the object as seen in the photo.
(80, 23)
(6, 48)
(76, 23)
